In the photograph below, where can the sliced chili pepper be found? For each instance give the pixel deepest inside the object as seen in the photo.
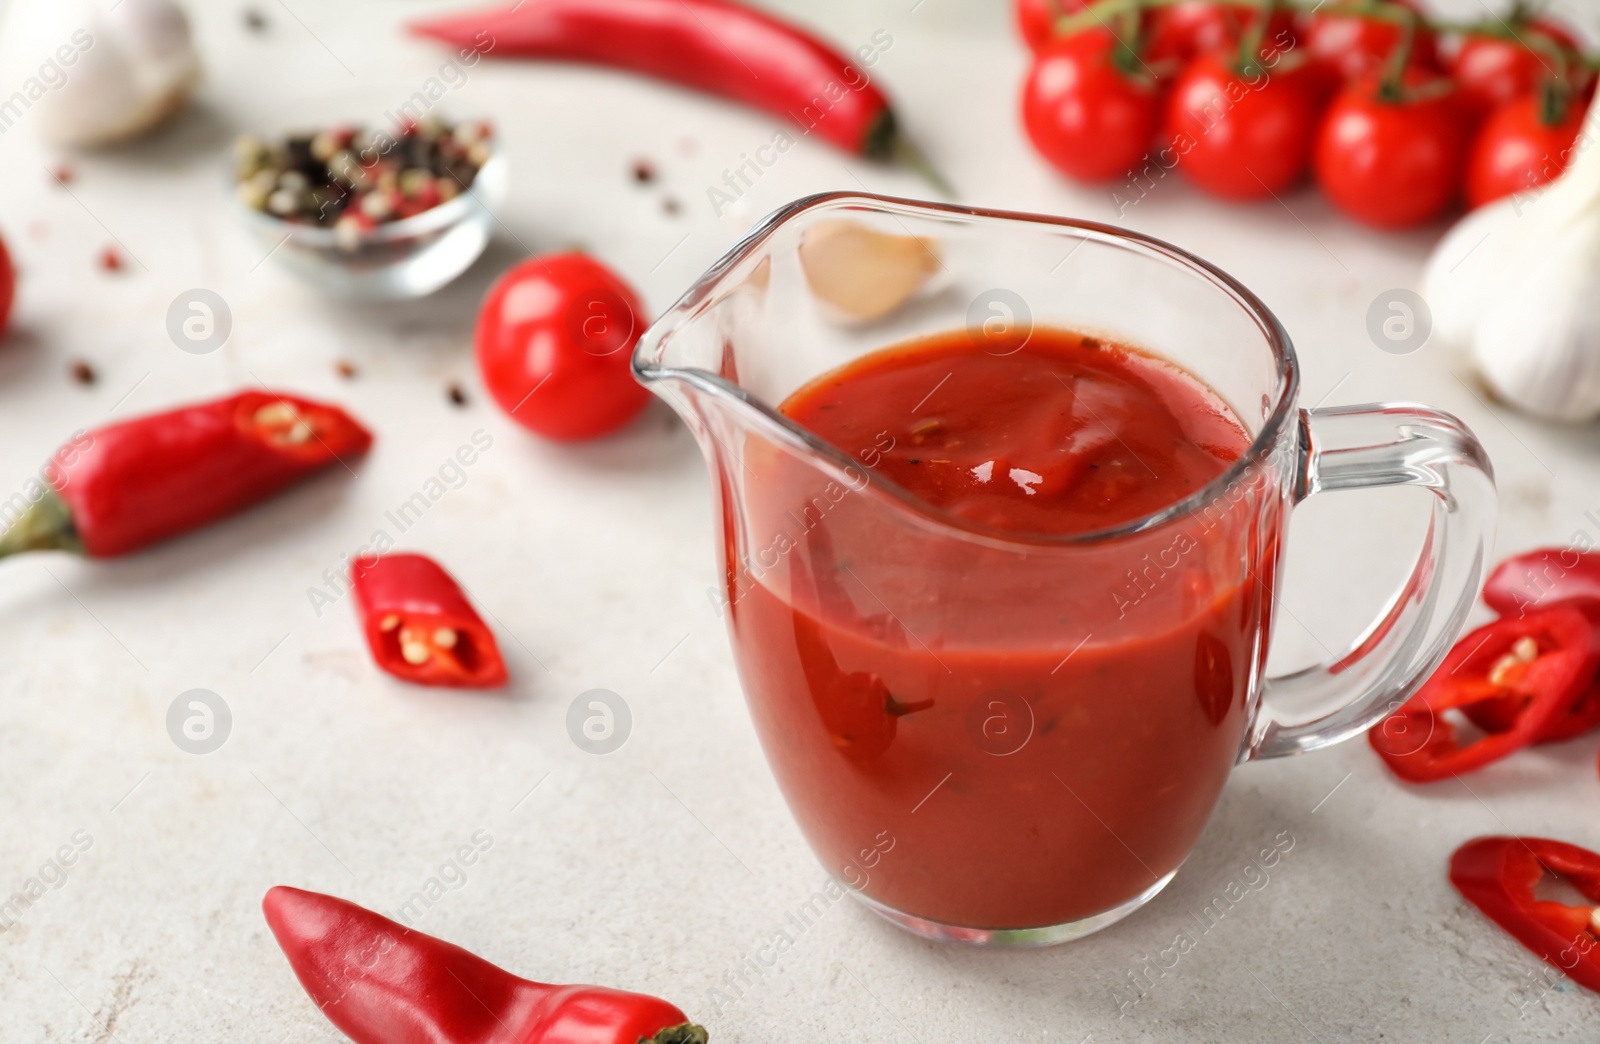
(383, 983)
(1541, 664)
(420, 626)
(1498, 875)
(1501, 714)
(128, 485)
(1541, 579)
(1545, 577)
(716, 46)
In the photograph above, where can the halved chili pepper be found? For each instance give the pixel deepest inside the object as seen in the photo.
(1540, 664)
(1499, 875)
(383, 983)
(716, 46)
(420, 626)
(131, 484)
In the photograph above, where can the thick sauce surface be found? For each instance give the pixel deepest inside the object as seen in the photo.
(992, 739)
(1059, 434)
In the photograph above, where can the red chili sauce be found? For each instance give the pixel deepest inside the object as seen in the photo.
(978, 759)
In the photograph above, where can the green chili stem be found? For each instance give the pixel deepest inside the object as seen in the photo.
(45, 525)
(903, 150)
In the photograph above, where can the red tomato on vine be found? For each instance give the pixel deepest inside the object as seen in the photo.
(1490, 71)
(1187, 30)
(1088, 116)
(1344, 47)
(1036, 19)
(1240, 135)
(1392, 163)
(1518, 150)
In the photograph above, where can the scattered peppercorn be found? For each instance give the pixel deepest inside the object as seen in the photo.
(254, 20)
(62, 173)
(82, 372)
(353, 179)
(643, 172)
(457, 394)
(345, 369)
(670, 205)
(110, 260)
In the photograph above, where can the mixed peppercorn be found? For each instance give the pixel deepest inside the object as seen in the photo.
(353, 179)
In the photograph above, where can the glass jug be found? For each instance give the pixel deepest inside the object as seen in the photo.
(1000, 738)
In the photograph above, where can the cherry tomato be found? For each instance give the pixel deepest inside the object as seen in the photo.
(1240, 136)
(1517, 151)
(1187, 30)
(1343, 48)
(8, 285)
(1086, 116)
(1036, 19)
(554, 339)
(1391, 164)
(1490, 71)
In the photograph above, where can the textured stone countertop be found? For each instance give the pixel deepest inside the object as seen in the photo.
(665, 865)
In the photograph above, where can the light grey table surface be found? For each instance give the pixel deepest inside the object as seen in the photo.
(663, 866)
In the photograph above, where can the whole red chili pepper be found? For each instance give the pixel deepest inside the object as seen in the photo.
(717, 46)
(382, 983)
(127, 485)
(1498, 876)
(420, 626)
(1539, 664)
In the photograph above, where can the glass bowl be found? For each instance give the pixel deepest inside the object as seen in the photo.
(411, 257)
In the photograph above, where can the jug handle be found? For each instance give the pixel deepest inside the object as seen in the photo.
(1366, 447)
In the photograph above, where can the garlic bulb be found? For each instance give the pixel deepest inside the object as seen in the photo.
(94, 72)
(1514, 285)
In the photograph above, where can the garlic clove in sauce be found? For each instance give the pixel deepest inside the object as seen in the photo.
(865, 274)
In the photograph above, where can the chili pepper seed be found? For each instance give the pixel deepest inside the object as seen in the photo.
(389, 623)
(276, 414)
(1524, 651)
(444, 638)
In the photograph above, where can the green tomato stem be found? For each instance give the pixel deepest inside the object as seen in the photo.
(1101, 13)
